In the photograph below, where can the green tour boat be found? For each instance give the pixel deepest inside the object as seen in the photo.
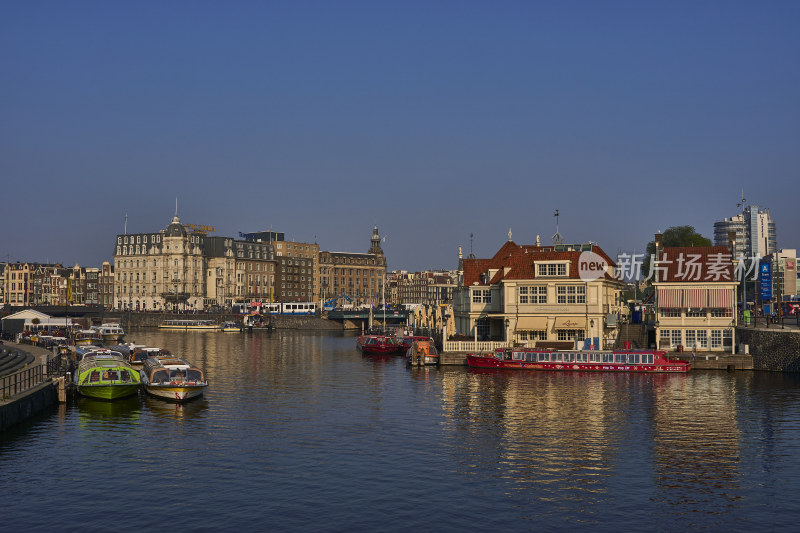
(104, 374)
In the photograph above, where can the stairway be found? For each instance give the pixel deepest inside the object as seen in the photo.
(635, 333)
(12, 360)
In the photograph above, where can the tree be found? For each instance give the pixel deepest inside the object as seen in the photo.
(675, 236)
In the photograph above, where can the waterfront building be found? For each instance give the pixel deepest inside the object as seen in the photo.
(534, 295)
(359, 277)
(296, 273)
(756, 234)
(105, 285)
(164, 270)
(429, 287)
(239, 271)
(784, 274)
(18, 286)
(695, 298)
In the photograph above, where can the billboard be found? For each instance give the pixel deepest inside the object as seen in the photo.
(765, 280)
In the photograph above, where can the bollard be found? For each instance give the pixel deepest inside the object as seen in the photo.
(62, 390)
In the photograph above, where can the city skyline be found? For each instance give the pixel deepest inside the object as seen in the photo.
(431, 121)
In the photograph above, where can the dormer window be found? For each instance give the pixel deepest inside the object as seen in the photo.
(553, 270)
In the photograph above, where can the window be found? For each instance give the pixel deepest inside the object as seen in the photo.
(676, 337)
(571, 294)
(696, 313)
(721, 312)
(532, 335)
(716, 338)
(536, 294)
(669, 312)
(570, 334)
(665, 340)
(551, 269)
(481, 296)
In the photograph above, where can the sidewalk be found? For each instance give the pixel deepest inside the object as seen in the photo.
(714, 360)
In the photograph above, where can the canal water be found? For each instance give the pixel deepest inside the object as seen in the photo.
(299, 432)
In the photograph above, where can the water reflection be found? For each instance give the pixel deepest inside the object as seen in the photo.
(176, 410)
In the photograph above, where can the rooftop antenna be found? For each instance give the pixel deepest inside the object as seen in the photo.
(176, 206)
(471, 255)
(741, 204)
(126, 224)
(557, 238)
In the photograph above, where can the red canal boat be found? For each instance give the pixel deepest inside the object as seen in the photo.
(379, 345)
(578, 360)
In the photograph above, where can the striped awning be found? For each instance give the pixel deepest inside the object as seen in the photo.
(670, 298)
(720, 298)
(695, 298)
(532, 323)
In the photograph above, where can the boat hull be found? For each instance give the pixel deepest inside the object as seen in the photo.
(477, 361)
(175, 393)
(108, 391)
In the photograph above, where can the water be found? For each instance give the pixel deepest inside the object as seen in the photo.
(298, 431)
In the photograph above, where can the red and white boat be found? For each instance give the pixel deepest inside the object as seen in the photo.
(379, 345)
(578, 360)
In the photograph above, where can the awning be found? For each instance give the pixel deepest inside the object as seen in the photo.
(694, 298)
(720, 298)
(571, 322)
(532, 323)
(670, 298)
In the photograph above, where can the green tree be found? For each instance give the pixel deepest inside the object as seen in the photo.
(674, 236)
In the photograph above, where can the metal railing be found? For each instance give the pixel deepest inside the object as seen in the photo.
(21, 381)
(473, 347)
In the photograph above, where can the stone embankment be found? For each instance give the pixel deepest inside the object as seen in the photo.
(152, 320)
(772, 348)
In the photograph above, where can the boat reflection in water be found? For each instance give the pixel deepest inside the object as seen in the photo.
(121, 409)
(175, 410)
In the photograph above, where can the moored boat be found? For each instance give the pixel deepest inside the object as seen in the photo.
(578, 360)
(230, 327)
(110, 331)
(87, 336)
(189, 325)
(172, 378)
(378, 345)
(137, 357)
(422, 352)
(105, 375)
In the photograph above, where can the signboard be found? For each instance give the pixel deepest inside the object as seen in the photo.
(765, 281)
(69, 290)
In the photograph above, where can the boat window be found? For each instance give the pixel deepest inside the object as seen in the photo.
(619, 358)
(194, 374)
(125, 375)
(530, 356)
(582, 357)
(647, 358)
(544, 357)
(569, 357)
(94, 376)
(556, 357)
(110, 375)
(160, 376)
(608, 358)
(177, 375)
(518, 356)
(594, 357)
(633, 358)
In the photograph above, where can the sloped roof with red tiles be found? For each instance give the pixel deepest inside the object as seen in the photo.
(520, 261)
(695, 264)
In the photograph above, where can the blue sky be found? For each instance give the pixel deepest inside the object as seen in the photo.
(431, 120)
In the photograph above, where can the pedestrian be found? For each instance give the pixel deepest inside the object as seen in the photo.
(694, 352)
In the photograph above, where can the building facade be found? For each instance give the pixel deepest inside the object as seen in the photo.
(756, 233)
(695, 298)
(160, 271)
(534, 295)
(354, 278)
(430, 287)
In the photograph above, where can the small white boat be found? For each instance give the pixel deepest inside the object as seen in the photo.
(111, 331)
(230, 327)
(172, 378)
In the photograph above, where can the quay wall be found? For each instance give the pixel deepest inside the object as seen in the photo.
(776, 350)
(152, 320)
(27, 404)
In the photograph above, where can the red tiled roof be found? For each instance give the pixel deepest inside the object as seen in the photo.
(696, 264)
(520, 261)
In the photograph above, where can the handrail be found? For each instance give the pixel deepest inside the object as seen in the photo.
(21, 381)
(473, 347)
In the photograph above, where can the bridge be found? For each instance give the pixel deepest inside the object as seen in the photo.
(362, 315)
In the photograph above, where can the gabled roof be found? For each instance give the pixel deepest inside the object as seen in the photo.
(516, 262)
(26, 314)
(695, 264)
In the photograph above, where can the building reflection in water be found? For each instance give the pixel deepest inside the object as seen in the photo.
(577, 440)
